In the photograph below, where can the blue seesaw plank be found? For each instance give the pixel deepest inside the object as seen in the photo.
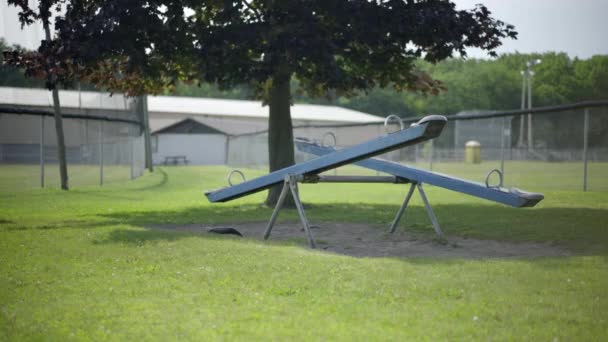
(512, 197)
(427, 128)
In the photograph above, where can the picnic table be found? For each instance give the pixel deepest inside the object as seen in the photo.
(175, 160)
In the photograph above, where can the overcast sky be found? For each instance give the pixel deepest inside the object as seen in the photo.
(577, 27)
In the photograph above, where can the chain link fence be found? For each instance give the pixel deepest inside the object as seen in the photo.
(569, 149)
(101, 147)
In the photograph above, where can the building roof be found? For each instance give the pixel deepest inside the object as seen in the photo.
(242, 108)
(67, 98)
(180, 105)
(188, 126)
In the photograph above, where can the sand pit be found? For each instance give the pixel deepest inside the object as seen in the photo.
(361, 240)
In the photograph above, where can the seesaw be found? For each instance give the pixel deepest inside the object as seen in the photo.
(427, 128)
(329, 158)
(416, 177)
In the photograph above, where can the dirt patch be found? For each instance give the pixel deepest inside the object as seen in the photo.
(362, 240)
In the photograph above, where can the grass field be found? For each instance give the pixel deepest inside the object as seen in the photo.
(82, 265)
(538, 176)
(17, 177)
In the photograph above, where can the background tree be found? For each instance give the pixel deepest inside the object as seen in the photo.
(45, 67)
(483, 84)
(334, 46)
(11, 76)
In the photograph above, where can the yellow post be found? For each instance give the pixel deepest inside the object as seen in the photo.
(472, 152)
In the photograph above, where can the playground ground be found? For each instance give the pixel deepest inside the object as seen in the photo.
(131, 260)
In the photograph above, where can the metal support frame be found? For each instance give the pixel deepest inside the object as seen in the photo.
(402, 208)
(429, 210)
(290, 183)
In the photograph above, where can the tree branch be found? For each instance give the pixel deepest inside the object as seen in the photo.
(254, 10)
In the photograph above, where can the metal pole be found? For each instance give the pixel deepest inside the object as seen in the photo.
(585, 142)
(42, 151)
(131, 156)
(101, 153)
(530, 140)
(429, 211)
(431, 156)
(520, 140)
(147, 138)
(277, 208)
(300, 207)
(502, 146)
(402, 208)
(226, 149)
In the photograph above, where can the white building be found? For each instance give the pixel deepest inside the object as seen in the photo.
(197, 128)
(238, 116)
(189, 141)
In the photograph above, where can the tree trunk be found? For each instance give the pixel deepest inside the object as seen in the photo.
(143, 103)
(280, 134)
(63, 166)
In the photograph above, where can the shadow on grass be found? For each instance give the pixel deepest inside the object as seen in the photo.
(72, 224)
(139, 237)
(164, 178)
(580, 229)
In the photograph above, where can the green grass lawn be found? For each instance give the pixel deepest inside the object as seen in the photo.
(18, 177)
(81, 265)
(537, 176)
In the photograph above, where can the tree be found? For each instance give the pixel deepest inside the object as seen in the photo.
(342, 46)
(13, 77)
(44, 68)
(592, 77)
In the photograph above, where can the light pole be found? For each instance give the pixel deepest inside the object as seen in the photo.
(529, 66)
(527, 75)
(520, 140)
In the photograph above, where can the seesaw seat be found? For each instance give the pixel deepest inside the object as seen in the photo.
(531, 197)
(513, 197)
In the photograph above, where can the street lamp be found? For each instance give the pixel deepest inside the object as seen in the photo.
(520, 139)
(527, 75)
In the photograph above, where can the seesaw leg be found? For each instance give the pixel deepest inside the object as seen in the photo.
(277, 208)
(429, 211)
(402, 209)
(300, 207)
(290, 183)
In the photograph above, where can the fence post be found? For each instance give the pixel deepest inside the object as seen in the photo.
(502, 146)
(100, 152)
(431, 156)
(131, 153)
(145, 117)
(585, 142)
(42, 151)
